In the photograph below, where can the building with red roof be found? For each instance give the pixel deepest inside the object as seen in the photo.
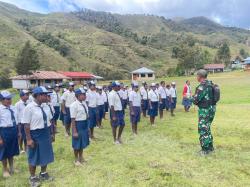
(214, 68)
(79, 77)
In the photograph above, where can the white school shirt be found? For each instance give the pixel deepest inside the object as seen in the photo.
(173, 92)
(153, 96)
(33, 115)
(168, 92)
(69, 97)
(105, 96)
(162, 92)
(144, 93)
(100, 99)
(121, 93)
(125, 94)
(5, 116)
(135, 98)
(115, 101)
(31, 98)
(20, 105)
(77, 110)
(55, 98)
(92, 98)
(49, 110)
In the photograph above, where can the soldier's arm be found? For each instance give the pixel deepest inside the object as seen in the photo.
(199, 94)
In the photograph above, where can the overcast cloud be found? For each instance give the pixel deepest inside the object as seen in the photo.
(227, 12)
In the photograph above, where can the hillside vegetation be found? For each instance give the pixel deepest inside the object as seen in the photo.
(110, 45)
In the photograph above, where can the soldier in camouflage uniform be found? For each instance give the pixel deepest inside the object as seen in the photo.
(203, 98)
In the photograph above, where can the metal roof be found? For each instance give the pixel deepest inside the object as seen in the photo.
(214, 66)
(78, 75)
(41, 75)
(143, 70)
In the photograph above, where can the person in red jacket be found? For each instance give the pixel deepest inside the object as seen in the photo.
(187, 93)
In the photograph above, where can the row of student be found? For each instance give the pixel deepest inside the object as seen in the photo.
(35, 122)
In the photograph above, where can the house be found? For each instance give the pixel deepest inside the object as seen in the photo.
(143, 74)
(38, 78)
(214, 68)
(79, 77)
(247, 64)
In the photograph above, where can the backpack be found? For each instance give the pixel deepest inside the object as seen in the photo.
(215, 93)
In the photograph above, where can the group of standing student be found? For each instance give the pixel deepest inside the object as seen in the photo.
(31, 123)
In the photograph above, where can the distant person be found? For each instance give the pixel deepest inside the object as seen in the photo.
(92, 102)
(67, 99)
(144, 95)
(49, 110)
(162, 98)
(56, 102)
(20, 105)
(38, 135)
(153, 97)
(203, 98)
(186, 94)
(135, 107)
(173, 98)
(106, 103)
(116, 113)
(8, 133)
(79, 123)
(168, 102)
(100, 106)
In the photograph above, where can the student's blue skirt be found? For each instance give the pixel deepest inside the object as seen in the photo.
(144, 105)
(162, 105)
(61, 117)
(42, 154)
(83, 135)
(57, 113)
(186, 102)
(92, 117)
(106, 105)
(119, 119)
(173, 103)
(10, 147)
(23, 132)
(124, 103)
(154, 110)
(134, 119)
(66, 117)
(168, 103)
(101, 110)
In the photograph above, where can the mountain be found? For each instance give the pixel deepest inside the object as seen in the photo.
(110, 45)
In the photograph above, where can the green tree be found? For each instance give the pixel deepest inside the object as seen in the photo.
(27, 60)
(5, 81)
(243, 53)
(223, 55)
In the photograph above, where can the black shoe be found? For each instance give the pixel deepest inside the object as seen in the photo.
(203, 152)
(45, 177)
(34, 181)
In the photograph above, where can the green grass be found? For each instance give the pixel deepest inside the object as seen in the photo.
(164, 155)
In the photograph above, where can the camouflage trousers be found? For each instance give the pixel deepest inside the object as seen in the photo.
(206, 117)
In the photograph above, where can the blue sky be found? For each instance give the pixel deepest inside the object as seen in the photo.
(227, 12)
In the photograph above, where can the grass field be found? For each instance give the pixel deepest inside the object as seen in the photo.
(165, 155)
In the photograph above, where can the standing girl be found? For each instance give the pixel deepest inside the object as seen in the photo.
(153, 97)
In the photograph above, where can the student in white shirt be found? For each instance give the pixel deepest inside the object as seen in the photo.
(56, 102)
(38, 135)
(135, 107)
(168, 102)
(8, 133)
(20, 105)
(49, 110)
(173, 98)
(144, 95)
(106, 103)
(67, 99)
(92, 99)
(162, 98)
(79, 123)
(153, 97)
(121, 94)
(116, 113)
(100, 105)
